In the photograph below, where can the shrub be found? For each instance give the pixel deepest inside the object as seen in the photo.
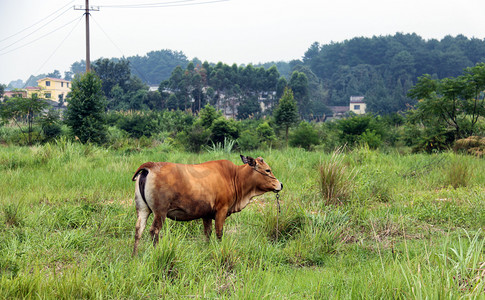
(248, 140)
(223, 129)
(371, 138)
(138, 124)
(50, 125)
(305, 136)
(265, 132)
(197, 137)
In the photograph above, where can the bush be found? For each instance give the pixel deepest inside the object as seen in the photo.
(305, 136)
(265, 132)
(352, 129)
(371, 139)
(197, 137)
(224, 129)
(50, 125)
(249, 140)
(138, 124)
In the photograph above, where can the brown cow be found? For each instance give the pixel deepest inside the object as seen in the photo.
(207, 191)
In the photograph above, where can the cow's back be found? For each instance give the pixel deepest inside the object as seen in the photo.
(189, 192)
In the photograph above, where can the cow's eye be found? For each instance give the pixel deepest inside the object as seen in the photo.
(268, 171)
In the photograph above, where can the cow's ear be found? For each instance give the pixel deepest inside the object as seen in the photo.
(248, 160)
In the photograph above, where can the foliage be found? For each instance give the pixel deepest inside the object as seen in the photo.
(256, 137)
(207, 115)
(85, 114)
(286, 113)
(156, 66)
(197, 137)
(248, 108)
(453, 103)
(221, 85)
(138, 124)
(18, 109)
(51, 125)
(360, 128)
(265, 133)
(299, 86)
(304, 136)
(123, 90)
(384, 68)
(223, 129)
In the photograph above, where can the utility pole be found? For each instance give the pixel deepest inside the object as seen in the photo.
(88, 52)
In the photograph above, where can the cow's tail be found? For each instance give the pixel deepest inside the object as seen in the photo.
(142, 172)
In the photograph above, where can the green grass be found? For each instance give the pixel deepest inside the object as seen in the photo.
(410, 226)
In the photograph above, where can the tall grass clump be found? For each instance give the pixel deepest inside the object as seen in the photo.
(457, 174)
(281, 226)
(11, 215)
(468, 263)
(320, 236)
(336, 179)
(226, 147)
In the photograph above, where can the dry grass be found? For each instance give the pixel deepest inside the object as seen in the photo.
(474, 145)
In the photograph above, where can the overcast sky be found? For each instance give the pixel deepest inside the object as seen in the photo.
(232, 31)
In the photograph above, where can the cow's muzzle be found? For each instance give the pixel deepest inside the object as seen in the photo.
(277, 190)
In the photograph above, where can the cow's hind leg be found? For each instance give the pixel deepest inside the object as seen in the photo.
(207, 227)
(141, 222)
(158, 221)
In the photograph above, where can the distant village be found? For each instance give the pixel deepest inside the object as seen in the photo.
(55, 92)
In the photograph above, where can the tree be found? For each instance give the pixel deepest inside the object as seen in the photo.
(2, 90)
(299, 85)
(248, 107)
(85, 114)
(207, 115)
(454, 102)
(20, 109)
(112, 73)
(286, 113)
(54, 74)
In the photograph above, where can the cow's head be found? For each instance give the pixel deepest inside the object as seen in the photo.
(266, 181)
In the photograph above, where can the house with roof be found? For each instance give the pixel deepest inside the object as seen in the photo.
(357, 105)
(54, 89)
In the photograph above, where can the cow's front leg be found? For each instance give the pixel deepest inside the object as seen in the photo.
(207, 227)
(220, 218)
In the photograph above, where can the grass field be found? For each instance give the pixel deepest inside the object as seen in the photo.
(402, 226)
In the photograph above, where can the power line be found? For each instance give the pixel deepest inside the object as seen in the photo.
(164, 4)
(119, 49)
(26, 44)
(21, 39)
(36, 22)
(60, 44)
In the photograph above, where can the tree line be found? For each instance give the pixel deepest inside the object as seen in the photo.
(384, 68)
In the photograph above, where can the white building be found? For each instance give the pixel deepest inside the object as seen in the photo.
(357, 105)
